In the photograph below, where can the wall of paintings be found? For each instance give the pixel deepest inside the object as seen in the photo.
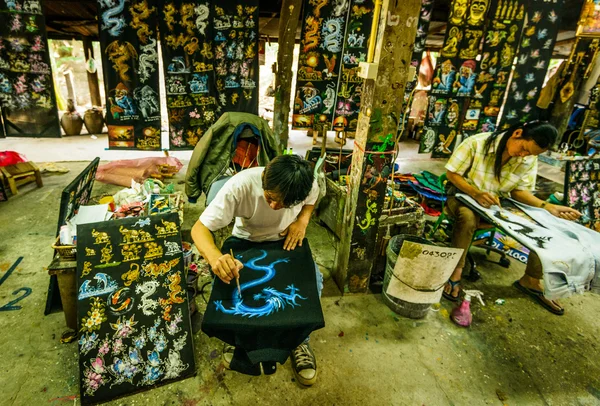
(26, 88)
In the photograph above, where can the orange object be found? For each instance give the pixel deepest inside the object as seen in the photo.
(110, 201)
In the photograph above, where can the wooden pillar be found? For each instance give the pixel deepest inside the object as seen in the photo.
(93, 83)
(380, 107)
(288, 25)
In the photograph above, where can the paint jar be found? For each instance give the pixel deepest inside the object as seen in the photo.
(65, 235)
(187, 254)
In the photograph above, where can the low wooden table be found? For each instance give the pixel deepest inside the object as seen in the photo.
(20, 174)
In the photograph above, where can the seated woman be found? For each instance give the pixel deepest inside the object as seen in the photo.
(501, 164)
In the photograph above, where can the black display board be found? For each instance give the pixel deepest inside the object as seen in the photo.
(210, 58)
(132, 310)
(321, 53)
(535, 52)
(582, 190)
(279, 305)
(356, 47)
(128, 38)
(26, 88)
(503, 33)
(76, 194)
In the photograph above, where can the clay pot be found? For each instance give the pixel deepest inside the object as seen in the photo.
(93, 120)
(71, 121)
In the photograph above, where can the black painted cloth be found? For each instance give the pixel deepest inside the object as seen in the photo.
(280, 304)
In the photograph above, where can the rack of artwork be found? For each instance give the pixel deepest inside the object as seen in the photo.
(26, 86)
(582, 190)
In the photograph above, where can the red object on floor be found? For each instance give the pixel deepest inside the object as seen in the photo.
(8, 158)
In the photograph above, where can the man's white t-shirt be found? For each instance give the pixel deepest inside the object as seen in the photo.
(243, 197)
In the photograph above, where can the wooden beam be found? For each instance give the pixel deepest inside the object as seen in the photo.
(93, 83)
(288, 24)
(374, 144)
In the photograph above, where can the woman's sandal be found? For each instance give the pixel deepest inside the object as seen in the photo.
(448, 296)
(539, 297)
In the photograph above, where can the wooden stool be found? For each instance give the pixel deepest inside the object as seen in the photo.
(20, 174)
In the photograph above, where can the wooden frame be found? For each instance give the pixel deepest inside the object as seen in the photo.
(589, 21)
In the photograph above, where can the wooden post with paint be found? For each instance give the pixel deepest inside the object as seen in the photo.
(376, 133)
(288, 25)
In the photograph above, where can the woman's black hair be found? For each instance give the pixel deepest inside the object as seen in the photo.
(542, 133)
(291, 177)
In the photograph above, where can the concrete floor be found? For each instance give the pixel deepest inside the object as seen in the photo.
(514, 354)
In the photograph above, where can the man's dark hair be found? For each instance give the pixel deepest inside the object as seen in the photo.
(290, 176)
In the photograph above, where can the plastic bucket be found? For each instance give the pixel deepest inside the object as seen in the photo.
(402, 307)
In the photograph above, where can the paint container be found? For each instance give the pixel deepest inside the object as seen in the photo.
(187, 255)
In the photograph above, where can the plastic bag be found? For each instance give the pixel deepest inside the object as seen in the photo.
(123, 171)
(11, 158)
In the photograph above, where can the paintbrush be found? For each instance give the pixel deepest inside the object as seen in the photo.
(237, 279)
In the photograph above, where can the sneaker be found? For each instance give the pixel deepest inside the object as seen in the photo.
(304, 364)
(228, 355)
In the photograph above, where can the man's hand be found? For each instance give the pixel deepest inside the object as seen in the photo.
(486, 199)
(295, 234)
(563, 212)
(226, 267)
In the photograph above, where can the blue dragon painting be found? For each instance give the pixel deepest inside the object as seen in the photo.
(274, 300)
(115, 25)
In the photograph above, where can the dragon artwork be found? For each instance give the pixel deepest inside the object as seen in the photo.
(120, 53)
(110, 22)
(170, 11)
(148, 60)
(311, 36)
(187, 15)
(202, 11)
(274, 300)
(148, 288)
(175, 291)
(332, 33)
(523, 229)
(139, 13)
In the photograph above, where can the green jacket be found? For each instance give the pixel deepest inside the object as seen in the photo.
(212, 155)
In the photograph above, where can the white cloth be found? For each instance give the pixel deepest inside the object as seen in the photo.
(243, 197)
(568, 251)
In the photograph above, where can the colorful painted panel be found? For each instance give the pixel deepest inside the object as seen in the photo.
(279, 304)
(582, 190)
(356, 45)
(502, 36)
(211, 64)
(128, 38)
(455, 75)
(188, 57)
(132, 311)
(236, 57)
(535, 51)
(321, 44)
(26, 87)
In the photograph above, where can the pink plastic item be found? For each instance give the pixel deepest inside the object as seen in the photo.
(123, 171)
(461, 314)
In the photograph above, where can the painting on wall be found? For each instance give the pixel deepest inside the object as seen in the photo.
(26, 87)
